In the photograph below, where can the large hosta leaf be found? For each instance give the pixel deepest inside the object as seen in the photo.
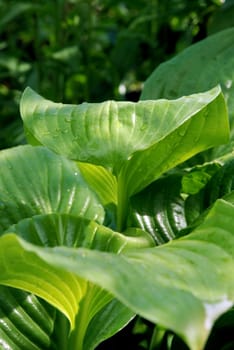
(79, 300)
(116, 134)
(34, 180)
(184, 285)
(137, 142)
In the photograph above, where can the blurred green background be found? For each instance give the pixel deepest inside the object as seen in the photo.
(92, 50)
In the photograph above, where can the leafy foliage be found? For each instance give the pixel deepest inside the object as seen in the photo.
(68, 49)
(113, 210)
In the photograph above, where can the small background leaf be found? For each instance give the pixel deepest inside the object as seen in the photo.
(198, 68)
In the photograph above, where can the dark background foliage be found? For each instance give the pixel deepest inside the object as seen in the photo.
(90, 50)
(93, 50)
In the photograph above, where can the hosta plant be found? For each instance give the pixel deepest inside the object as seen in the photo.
(109, 213)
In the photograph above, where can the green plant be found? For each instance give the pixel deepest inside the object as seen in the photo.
(80, 45)
(113, 211)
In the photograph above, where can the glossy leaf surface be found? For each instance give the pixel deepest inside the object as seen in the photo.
(26, 323)
(35, 181)
(193, 274)
(126, 134)
(160, 209)
(78, 300)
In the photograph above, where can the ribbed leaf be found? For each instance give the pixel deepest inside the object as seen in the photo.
(109, 133)
(184, 285)
(78, 300)
(170, 204)
(159, 209)
(53, 230)
(34, 180)
(26, 323)
(206, 128)
(135, 141)
(198, 68)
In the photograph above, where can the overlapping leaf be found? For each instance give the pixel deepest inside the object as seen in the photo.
(26, 322)
(78, 300)
(34, 181)
(198, 68)
(193, 274)
(160, 209)
(112, 133)
(137, 142)
(172, 204)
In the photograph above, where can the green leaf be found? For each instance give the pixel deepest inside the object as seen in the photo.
(63, 291)
(110, 133)
(196, 179)
(193, 135)
(159, 209)
(53, 230)
(111, 319)
(137, 142)
(102, 181)
(220, 185)
(184, 285)
(196, 69)
(34, 180)
(79, 300)
(104, 185)
(26, 322)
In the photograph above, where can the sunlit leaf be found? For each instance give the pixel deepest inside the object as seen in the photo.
(193, 274)
(137, 142)
(116, 134)
(79, 300)
(34, 181)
